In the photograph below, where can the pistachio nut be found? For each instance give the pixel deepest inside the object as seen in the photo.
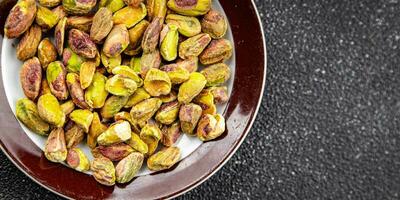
(187, 26)
(49, 3)
(59, 11)
(157, 9)
(176, 73)
(20, 18)
(194, 46)
(112, 5)
(86, 73)
(133, 3)
(29, 43)
(170, 134)
(96, 60)
(210, 127)
(113, 105)
(78, 7)
(127, 117)
(149, 61)
(110, 62)
(96, 128)
(144, 110)
(157, 82)
(96, 94)
(118, 132)
(103, 171)
(135, 37)
(169, 43)
(151, 135)
(135, 64)
(121, 85)
(189, 115)
(126, 169)
(77, 160)
(139, 95)
(44, 87)
(191, 88)
(151, 36)
(47, 53)
(190, 7)
(217, 51)
(130, 16)
(216, 74)
(74, 136)
(128, 72)
(220, 94)
(168, 112)
(133, 51)
(59, 35)
(50, 110)
(83, 23)
(215, 24)
(46, 18)
(164, 159)
(102, 25)
(30, 76)
(71, 60)
(81, 44)
(55, 74)
(138, 144)
(115, 152)
(55, 149)
(67, 107)
(75, 90)
(82, 118)
(190, 64)
(206, 101)
(172, 96)
(116, 41)
(27, 113)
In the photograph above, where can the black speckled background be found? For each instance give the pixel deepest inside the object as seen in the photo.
(328, 126)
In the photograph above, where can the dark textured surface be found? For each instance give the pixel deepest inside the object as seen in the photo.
(328, 127)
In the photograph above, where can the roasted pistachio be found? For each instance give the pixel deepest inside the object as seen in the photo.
(151, 135)
(86, 73)
(75, 90)
(112, 5)
(20, 18)
(144, 110)
(210, 127)
(216, 74)
(27, 113)
(127, 117)
(59, 12)
(77, 160)
(81, 44)
(67, 107)
(191, 88)
(139, 95)
(49, 3)
(149, 61)
(187, 26)
(44, 87)
(151, 36)
(164, 159)
(110, 62)
(157, 9)
(83, 23)
(168, 113)
(128, 167)
(189, 115)
(206, 101)
(113, 105)
(102, 25)
(115, 152)
(135, 64)
(220, 94)
(117, 41)
(215, 24)
(193, 46)
(121, 85)
(128, 72)
(135, 37)
(59, 35)
(118, 132)
(55, 74)
(78, 7)
(29, 43)
(103, 171)
(130, 16)
(96, 60)
(170, 134)
(50, 110)
(30, 76)
(157, 82)
(138, 144)
(96, 93)
(176, 73)
(46, 18)
(72, 61)
(190, 7)
(190, 64)
(169, 43)
(172, 96)
(47, 53)
(133, 3)
(55, 149)
(217, 51)
(74, 136)
(82, 118)
(96, 128)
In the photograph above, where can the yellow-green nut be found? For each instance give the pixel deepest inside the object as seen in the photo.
(176, 73)
(50, 110)
(116, 41)
(67, 107)
(156, 9)
(86, 73)
(20, 18)
(83, 23)
(47, 53)
(216, 74)
(112, 5)
(127, 117)
(59, 11)
(44, 88)
(118, 132)
(190, 7)
(76, 91)
(190, 64)
(170, 134)
(83, 118)
(55, 74)
(220, 94)
(169, 43)
(115, 152)
(164, 159)
(139, 95)
(151, 36)
(74, 136)
(151, 135)
(27, 46)
(77, 160)
(144, 110)
(149, 61)
(81, 44)
(157, 82)
(217, 51)
(210, 127)
(191, 88)
(113, 105)
(206, 101)
(27, 113)
(49, 3)
(126, 169)
(55, 149)
(102, 25)
(187, 26)
(46, 18)
(59, 35)
(96, 94)
(135, 64)
(78, 7)
(133, 3)
(110, 62)
(130, 16)
(215, 24)
(189, 115)
(30, 76)
(121, 85)
(136, 35)
(194, 46)
(103, 171)
(168, 113)
(172, 96)
(71, 60)
(128, 72)
(138, 144)
(96, 128)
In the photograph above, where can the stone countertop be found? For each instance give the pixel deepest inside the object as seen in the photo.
(328, 126)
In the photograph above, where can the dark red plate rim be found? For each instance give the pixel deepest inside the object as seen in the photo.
(240, 114)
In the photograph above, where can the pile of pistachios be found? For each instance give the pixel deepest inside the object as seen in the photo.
(123, 75)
